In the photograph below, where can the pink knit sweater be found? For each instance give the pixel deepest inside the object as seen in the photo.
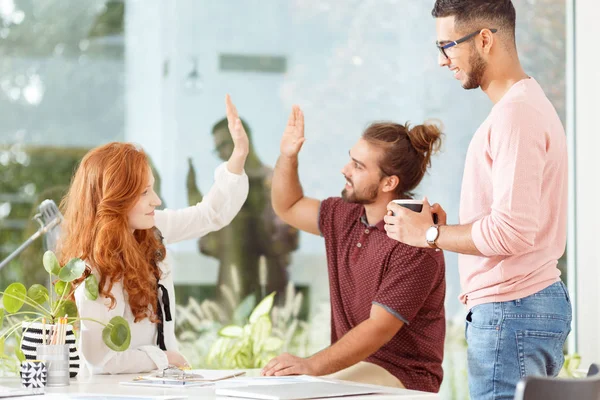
(514, 191)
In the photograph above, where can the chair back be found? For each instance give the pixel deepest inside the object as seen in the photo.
(543, 388)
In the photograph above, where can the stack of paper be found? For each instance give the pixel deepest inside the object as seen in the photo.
(197, 377)
(9, 393)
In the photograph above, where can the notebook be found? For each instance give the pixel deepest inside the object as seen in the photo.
(165, 384)
(9, 392)
(298, 391)
(117, 397)
(197, 377)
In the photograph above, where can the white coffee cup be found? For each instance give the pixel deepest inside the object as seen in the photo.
(411, 204)
(414, 205)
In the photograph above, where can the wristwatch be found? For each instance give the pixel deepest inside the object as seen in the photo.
(432, 235)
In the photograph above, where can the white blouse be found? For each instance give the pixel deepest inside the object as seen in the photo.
(217, 209)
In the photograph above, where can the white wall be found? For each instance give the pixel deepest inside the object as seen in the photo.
(587, 142)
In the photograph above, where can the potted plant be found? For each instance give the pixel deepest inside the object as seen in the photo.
(50, 306)
(250, 345)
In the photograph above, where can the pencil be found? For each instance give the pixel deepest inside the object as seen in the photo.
(62, 328)
(64, 333)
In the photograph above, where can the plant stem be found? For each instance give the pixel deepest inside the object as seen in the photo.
(10, 331)
(15, 328)
(51, 288)
(25, 312)
(62, 297)
(32, 303)
(94, 320)
(33, 322)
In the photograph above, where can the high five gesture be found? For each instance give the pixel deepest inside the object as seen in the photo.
(239, 137)
(293, 136)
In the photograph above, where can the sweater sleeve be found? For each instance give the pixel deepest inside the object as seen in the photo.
(518, 147)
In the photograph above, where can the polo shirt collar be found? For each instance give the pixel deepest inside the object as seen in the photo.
(363, 219)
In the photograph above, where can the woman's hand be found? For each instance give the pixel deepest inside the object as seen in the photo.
(176, 359)
(239, 137)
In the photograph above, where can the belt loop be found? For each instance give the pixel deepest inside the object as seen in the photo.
(518, 302)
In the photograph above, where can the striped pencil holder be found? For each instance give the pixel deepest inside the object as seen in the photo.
(32, 338)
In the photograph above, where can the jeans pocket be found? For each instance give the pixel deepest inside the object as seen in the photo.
(467, 321)
(566, 290)
(484, 316)
(540, 352)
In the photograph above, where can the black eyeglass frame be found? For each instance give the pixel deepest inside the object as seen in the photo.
(442, 48)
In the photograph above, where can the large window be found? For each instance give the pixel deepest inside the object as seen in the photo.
(77, 74)
(62, 87)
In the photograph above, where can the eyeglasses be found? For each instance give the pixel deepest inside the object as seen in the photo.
(443, 47)
(176, 373)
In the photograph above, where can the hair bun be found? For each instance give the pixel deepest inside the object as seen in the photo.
(426, 139)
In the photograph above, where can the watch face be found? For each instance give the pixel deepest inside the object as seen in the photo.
(431, 234)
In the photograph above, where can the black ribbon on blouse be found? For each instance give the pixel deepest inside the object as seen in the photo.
(166, 305)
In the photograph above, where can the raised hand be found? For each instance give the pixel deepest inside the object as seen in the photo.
(236, 129)
(293, 136)
(241, 144)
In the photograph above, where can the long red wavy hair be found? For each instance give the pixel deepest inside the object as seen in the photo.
(106, 186)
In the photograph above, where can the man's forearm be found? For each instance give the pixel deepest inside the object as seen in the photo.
(355, 346)
(286, 189)
(458, 239)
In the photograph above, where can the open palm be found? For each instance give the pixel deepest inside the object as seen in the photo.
(293, 136)
(236, 129)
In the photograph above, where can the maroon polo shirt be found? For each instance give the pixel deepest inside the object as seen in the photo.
(366, 267)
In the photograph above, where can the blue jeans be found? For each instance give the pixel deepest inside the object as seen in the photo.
(510, 340)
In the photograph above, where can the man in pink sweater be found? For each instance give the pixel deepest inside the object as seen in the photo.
(513, 211)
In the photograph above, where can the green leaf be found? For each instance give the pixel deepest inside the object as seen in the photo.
(272, 344)
(14, 297)
(50, 262)
(38, 293)
(67, 307)
(242, 311)
(231, 331)
(261, 329)
(18, 351)
(1, 346)
(214, 350)
(1, 319)
(571, 364)
(263, 308)
(19, 354)
(117, 335)
(61, 286)
(73, 270)
(91, 287)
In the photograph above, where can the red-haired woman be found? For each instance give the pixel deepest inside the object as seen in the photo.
(112, 223)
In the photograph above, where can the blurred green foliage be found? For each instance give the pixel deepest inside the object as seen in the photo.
(28, 175)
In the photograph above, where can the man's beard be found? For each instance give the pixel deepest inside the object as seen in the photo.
(478, 67)
(367, 196)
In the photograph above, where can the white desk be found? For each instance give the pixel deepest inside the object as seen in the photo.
(109, 384)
